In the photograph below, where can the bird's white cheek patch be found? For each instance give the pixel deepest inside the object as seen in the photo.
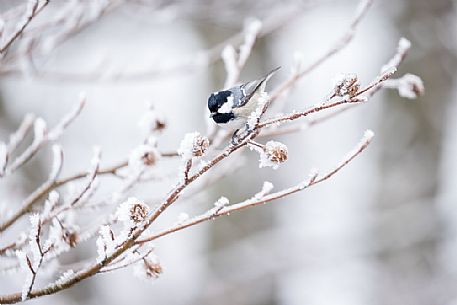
(227, 107)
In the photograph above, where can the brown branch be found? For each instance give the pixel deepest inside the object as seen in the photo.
(314, 179)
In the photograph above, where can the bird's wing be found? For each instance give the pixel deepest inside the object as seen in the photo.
(250, 88)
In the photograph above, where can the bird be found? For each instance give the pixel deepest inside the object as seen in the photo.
(231, 108)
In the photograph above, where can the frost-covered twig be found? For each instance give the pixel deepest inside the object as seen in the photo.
(39, 192)
(347, 37)
(234, 61)
(15, 140)
(33, 9)
(42, 136)
(263, 196)
(82, 195)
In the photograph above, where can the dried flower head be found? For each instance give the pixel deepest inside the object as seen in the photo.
(152, 269)
(193, 145)
(132, 212)
(276, 152)
(143, 155)
(152, 121)
(271, 154)
(149, 268)
(70, 236)
(347, 84)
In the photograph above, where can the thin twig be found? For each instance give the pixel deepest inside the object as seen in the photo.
(35, 10)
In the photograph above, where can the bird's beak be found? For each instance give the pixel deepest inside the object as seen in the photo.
(212, 114)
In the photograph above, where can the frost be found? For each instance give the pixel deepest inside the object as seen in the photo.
(368, 135)
(193, 145)
(266, 188)
(410, 86)
(39, 130)
(22, 259)
(255, 115)
(404, 44)
(313, 173)
(222, 202)
(65, 277)
(346, 84)
(105, 243)
(50, 203)
(202, 164)
(95, 161)
(403, 47)
(56, 161)
(34, 240)
(24, 263)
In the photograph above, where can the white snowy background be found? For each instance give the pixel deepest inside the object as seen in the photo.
(382, 231)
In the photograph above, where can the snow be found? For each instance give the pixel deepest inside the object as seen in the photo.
(368, 135)
(56, 162)
(105, 243)
(23, 262)
(65, 277)
(410, 86)
(50, 203)
(346, 84)
(39, 130)
(266, 188)
(222, 202)
(403, 46)
(193, 145)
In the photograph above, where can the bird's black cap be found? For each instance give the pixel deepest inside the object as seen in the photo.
(216, 100)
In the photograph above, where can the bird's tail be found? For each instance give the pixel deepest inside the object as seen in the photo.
(270, 74)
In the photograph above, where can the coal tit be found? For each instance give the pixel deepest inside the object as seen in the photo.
(231, 108)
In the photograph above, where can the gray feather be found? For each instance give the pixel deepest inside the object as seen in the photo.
(244, 93)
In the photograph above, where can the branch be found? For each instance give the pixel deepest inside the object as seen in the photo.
(39, 192)
(41, 136)
(339, 45)
(256, 200)
(33, 10)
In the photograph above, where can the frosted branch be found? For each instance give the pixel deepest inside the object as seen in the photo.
(313, 179)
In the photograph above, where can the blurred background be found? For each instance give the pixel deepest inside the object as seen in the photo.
(382, 231)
